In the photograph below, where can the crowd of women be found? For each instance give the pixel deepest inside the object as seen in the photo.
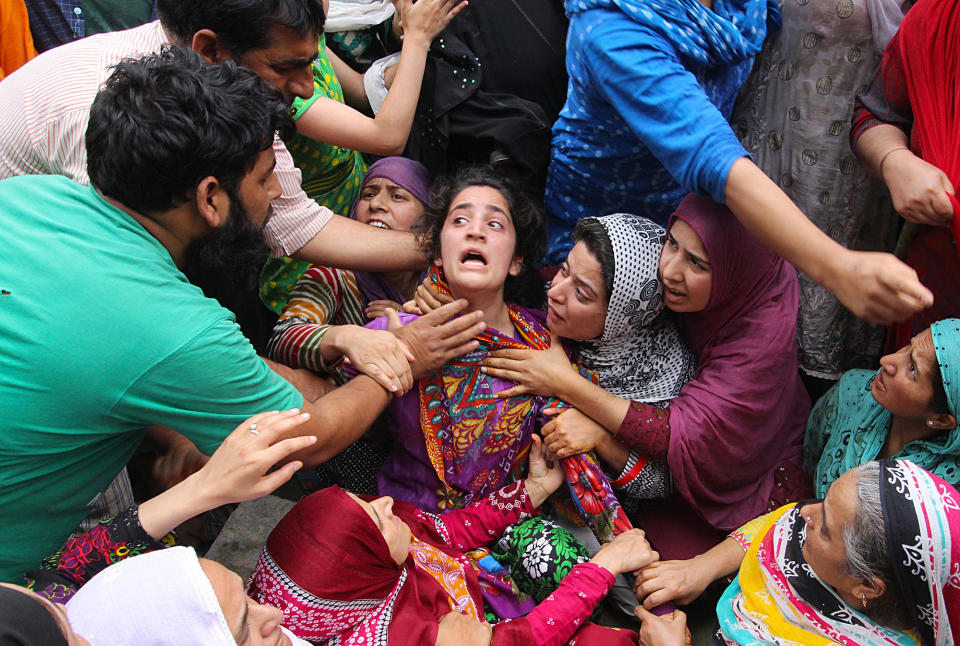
(680, 381)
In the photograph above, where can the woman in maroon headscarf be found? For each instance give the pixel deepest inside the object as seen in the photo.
(384, 572)
(732, 438)
(905, 131)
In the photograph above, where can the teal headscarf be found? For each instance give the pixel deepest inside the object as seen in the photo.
(946, 343)
(847, 427)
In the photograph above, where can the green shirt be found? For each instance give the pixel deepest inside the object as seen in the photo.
(101, 336)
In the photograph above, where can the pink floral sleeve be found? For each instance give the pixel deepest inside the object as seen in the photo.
(562, 617)
(484, 520)
(561, 614)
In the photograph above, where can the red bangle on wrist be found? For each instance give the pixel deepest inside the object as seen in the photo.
(630, 475)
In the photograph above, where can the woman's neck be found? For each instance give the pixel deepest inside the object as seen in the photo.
(405, 282)
(903, 431)
(495, 312)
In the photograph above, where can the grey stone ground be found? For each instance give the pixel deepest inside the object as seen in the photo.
(245, 533)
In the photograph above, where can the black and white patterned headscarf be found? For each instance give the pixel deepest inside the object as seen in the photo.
(641, 355)
(777, 597)
(921, 514)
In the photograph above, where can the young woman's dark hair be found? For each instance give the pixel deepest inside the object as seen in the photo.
(527, 288)
(241, 25)
(164, 122)
(590, 232)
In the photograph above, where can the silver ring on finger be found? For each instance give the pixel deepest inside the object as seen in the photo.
(253, 429)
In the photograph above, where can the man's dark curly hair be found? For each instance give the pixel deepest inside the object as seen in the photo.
(164, 122)
(527, 288)
(241, 25)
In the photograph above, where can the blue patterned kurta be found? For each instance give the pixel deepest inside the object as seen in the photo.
(652, 85)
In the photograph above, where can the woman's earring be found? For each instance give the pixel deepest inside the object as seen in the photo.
(863, 599)
(929, 422)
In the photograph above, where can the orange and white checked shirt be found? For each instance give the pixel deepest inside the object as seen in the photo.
(45, 105)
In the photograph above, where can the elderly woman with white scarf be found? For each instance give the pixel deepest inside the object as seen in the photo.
(164, 598)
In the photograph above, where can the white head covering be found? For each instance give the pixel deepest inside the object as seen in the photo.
(350, 15)
(641, 355)
(162, 598)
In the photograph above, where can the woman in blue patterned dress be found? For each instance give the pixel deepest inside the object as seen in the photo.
(652, 84)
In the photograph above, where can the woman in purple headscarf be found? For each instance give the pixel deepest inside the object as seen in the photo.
(732, 437)
(323, 320)
(322, 323)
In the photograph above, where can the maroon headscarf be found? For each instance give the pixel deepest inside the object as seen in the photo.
(743, 413)
(327, 566)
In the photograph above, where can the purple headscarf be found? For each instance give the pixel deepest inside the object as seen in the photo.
(412, 176)
(743, 413)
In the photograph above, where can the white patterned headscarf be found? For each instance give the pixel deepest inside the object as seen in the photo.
(641, 355)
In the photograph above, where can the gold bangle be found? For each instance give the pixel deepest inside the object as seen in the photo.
(888, 153)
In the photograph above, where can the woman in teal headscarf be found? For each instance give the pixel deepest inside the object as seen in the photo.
(906, 410)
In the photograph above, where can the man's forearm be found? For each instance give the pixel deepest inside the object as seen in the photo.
(348, 244)
(340, 417)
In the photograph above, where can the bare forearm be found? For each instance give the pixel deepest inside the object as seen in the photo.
(876, 143)
(721, 560)
(162, 513)
(593, 401)
(769, 214)
(351, 82)
(331, 346)
(874, 286)
(311, 386)
(348, 244)
(385, 133)
(613, 452)
(340, 417)
(395, 117)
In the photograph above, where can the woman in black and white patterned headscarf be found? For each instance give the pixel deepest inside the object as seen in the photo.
(608, 300)
(607, 296)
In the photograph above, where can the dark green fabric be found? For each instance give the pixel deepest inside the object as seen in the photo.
(113, 15)
(539, 554)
